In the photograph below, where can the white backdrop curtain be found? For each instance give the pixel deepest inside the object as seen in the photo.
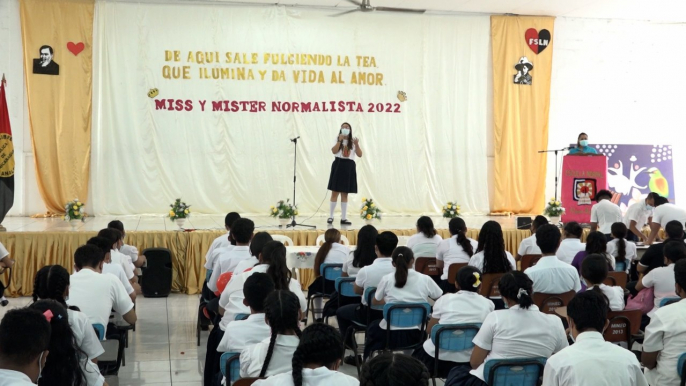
(435, 150)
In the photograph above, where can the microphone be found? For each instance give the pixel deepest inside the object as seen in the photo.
(295, 139)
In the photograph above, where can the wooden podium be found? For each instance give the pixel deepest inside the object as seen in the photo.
(583, 176)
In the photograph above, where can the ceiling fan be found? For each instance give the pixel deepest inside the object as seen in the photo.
(365, 6)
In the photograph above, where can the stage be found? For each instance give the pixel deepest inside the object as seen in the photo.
(36, 242)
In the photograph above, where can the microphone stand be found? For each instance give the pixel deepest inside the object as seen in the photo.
(556, 170)
(293, 223)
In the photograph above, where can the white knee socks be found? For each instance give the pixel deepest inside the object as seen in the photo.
(332, 207)
(344, 210)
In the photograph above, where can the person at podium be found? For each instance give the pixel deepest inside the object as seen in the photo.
(582, 147)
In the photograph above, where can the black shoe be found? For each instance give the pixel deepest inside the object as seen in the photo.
(4, 303)
(346, 222)
(329, 220)
(350, 360)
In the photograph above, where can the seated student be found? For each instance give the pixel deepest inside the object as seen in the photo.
(596, 243)
(95, 294)
(591, 360)
(425, 241)
(528, 246)
(604, 213)
(594, 271)
(491, 256)
(256, 244)
(654, 256)
(128, 250)
(521, 331)
(405, 285)
(66, 365)
(24, 342)
(242, 232)
(52, 282)
(466, 306)
(364, 253)
(550, 275)
(273, 263)
(664, 213)
(316, 361)
(639, 214)
(457, 249)
(5, 263)
(394, 369)
(114, 237)
(571, 242)
(331, 252)
(368, 277)
(274, 355)
(662, 279)
(623, 251)
(114, 269)
(665, 336)
(221, 241)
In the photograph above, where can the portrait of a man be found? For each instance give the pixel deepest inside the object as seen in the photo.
(46, 65)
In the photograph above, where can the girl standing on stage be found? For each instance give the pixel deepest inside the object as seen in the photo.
(343, 178)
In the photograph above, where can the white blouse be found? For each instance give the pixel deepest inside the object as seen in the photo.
(450, 252)
(350, 156)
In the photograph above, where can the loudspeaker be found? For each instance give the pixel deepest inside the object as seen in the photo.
(157, 274)
(524, 222)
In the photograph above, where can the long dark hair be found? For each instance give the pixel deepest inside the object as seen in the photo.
(517, 286)
(274, 254)
(281, 310)
(63, 366)
(394, 369)
(365, 253)
(320, 344)
(426, 226)
(349, 145)
(619, 231)
(51, 282)
(330, 236)
(458, 227)
(596, 243)
(258, 242)
(492, 244)
(402, 258)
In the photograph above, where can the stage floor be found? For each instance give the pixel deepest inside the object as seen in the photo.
(216, 222)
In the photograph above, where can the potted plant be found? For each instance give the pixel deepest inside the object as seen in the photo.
(451, 210)
(554, 210)
(179, 212)
(369, 211)
(284, 211)
(73, 213)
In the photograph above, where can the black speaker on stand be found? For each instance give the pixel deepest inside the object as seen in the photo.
(157, 273)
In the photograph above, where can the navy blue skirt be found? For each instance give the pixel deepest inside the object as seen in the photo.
(343, 177)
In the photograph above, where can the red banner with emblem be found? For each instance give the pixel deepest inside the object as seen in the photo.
(582, 178)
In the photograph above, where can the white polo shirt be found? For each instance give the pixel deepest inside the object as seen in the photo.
(423, 246)
(16, 378)
(350, 156)
(662, 281)
(568, 249)
(450, 252)
(478, 260)
(243, 333)
(220, 242)
(337, 255)
(418, 289)
(227, 262)
(84, 335)
(605, 213)
(212, 257)
(371, 275)
(231, 300)
(252, 358)
(669, 212)
(246, 264)
(349, 268)
(91, 373)
(614, 294)
(592, 361)
(629, 248)
(637, 212)
(459, 308)
(96, 295)
(519, 333)
(666, 333)
(321, 376)
(120, 258)
(118, 271)
(528, 246)
(551, 276)
(130, 251)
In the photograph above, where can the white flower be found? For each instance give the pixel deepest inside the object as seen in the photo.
(452, 212)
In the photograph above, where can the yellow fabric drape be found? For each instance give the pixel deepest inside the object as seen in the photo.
(59, 105)
(520, 115)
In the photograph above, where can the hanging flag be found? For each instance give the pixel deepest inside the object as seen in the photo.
(6, 156)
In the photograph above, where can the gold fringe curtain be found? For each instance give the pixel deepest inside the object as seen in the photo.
(520, 114)
(59, 105)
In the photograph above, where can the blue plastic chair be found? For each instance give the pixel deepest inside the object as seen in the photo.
(620, 266)
(241, 316)
(452, 337)
(520, 371)
(345, 287)
(403, 315)
(230, 366)
(667, 301)
(208, 275)
(328, 272)
(99, 330)
(681, 368)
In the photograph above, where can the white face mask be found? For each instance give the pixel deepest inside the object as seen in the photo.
(583, 142)
(345, 131)
(40, 366)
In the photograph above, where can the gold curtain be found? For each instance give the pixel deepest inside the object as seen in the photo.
(59, 105)
(520, 114)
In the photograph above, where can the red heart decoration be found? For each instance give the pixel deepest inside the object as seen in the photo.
(537, 41)
(75, 48)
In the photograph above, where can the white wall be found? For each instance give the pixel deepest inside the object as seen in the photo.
(620, 82)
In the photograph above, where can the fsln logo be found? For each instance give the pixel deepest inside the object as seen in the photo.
(537, 40)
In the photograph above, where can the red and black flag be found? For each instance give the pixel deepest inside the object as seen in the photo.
(6, 156)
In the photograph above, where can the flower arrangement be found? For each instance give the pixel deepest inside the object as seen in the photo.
(73, 210)
(179, 209)
(284, 210)
(554, 208)
(369, 210)
(451, 210)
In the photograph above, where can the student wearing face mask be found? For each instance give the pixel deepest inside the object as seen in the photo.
(343, 178)
(582, 147)
(24, 341)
